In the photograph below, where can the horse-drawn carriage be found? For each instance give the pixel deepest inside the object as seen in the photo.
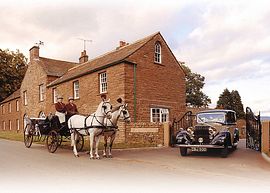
(50, 130)
(103, 122)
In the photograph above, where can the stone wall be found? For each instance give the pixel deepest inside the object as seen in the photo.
(145, 133)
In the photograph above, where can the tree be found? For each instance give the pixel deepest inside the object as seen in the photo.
(237, 104)
(12, 70)
(225, 100)
(194, 86)
(232, 101)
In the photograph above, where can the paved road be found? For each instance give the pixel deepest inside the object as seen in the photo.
(151, 170)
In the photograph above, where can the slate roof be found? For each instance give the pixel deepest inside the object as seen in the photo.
(54, 67)
(14, 95)
(110, 58)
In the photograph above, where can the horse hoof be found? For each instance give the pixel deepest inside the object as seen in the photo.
(110, 156)
(92, 158)
(97, 157)
(76, 155)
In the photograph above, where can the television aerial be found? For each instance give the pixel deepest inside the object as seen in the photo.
(84, 42)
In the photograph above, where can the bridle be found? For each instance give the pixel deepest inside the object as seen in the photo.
(104, 107)
(124, 111)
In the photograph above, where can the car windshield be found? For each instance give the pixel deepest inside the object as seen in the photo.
(217, 117)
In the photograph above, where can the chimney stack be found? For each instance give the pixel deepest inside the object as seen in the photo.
(84, 57)
(34, 53)
(122, 44)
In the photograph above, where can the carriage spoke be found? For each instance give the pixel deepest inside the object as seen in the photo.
(52, 141)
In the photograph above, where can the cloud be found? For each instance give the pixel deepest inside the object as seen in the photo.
(229, 35)
(228, 42)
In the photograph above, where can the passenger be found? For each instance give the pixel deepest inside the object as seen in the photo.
(71, 108)
(61, 110)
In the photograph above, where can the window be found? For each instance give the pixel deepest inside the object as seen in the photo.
(9, 107)
(159, 115)
(17, 105)
(41, 92)
(54, 94)
(18, 124)
(103, 85)
(4, 125)
(3, 109)
(76, 88)
(10, 124)
(158, 53)
(25, 97)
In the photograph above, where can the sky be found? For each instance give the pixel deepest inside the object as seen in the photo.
(228, 42)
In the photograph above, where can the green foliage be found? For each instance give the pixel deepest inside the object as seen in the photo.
(194, 86)
(12, 70)
(231, 100)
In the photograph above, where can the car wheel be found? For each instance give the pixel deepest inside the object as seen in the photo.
(224, 151)
(183, 151)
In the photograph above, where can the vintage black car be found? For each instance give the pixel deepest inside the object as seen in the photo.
(213, 129)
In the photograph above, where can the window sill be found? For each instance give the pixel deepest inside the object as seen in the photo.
(159, 63)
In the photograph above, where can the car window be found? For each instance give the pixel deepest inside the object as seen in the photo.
(231, 117)
(217, 117)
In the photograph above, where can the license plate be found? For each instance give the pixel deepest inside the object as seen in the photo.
(199, 149)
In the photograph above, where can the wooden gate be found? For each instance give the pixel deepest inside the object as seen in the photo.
(253, 130)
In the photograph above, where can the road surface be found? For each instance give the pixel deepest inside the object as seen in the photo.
(141, 170)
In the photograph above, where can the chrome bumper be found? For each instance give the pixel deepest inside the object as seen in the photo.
(205, 146)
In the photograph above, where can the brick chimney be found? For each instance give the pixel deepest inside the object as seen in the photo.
(122, 44)
(84, 57)
(34, 53)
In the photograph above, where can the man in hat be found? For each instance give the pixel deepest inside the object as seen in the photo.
(71, 108)
(60, 108)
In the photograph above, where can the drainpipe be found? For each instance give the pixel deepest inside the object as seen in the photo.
(134, 91)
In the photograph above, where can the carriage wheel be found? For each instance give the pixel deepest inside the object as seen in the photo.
(80, 143)
(27, 135)
(52, 141)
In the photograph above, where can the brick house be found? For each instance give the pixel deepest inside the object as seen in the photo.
(145, 74)
(10, 112)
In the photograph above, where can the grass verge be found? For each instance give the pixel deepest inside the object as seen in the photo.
(18, 136)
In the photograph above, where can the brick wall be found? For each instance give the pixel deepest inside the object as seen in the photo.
(157, 85)
(89, 95)
(7, 116)
(241, 125)
(34, 77)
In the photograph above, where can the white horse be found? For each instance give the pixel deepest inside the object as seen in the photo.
(91, 125)
(111, 127)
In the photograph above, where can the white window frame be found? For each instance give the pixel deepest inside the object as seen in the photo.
(41, 92)
(25, 97)
(18, 124)
(10, 124)
(163, 114)
(157, 57)
(4, 125)
(17, 105)
(54, 94)
(103, 83)
(76, 89)
(9, 107)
